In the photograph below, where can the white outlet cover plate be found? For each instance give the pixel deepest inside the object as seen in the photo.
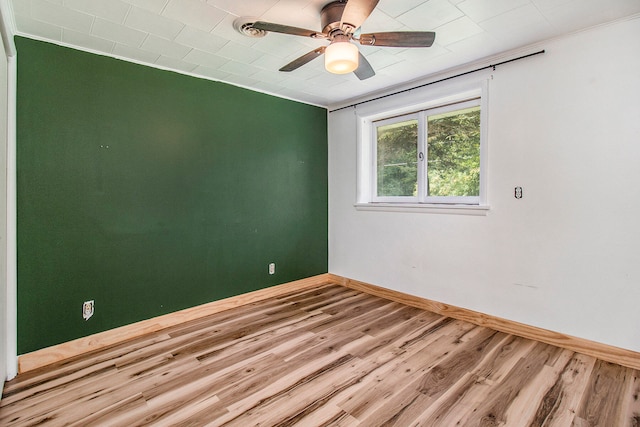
(87, 309)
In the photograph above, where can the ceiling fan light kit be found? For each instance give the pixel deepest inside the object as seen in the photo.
(341, 57)
(340, 19)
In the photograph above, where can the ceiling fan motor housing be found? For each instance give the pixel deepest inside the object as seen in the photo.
(331, 15)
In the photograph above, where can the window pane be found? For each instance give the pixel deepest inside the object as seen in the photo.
(453, 153)
(397, 150)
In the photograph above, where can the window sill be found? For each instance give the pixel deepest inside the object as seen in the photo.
(477, 210)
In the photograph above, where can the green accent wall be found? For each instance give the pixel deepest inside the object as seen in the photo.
(149, 192)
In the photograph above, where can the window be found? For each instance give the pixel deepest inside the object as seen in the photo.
(396, 157)
(431, 156)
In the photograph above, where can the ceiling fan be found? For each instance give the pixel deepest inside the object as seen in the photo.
(341, 21)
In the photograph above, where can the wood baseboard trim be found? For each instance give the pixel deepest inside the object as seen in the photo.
(46, 356)
(605, 352)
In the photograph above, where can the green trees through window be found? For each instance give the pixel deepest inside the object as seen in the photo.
(450, 150)
(397, 152)
(453, 153)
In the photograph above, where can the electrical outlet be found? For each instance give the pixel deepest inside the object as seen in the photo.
(518, 192)
(87, 309)
(272, 268)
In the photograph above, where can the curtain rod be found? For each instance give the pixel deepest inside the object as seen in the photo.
(441, 80)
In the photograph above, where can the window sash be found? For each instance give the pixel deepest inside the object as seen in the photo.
(375, 172)
(422, 155)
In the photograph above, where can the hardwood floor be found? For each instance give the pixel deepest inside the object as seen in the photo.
(326, 357)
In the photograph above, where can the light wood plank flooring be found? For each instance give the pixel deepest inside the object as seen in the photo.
(327, 357)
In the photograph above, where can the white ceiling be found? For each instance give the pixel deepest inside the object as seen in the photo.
(197, 36)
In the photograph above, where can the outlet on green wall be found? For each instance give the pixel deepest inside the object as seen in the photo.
(149, 191)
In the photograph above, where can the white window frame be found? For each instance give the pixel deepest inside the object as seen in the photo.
(421, 104)
(374, 156)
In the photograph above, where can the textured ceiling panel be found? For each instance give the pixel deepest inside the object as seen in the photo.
(198, 37)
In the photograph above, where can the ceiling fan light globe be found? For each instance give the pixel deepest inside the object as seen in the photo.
(341, 57)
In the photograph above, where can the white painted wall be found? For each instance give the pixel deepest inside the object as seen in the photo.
(565, 126)
(3, 215)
